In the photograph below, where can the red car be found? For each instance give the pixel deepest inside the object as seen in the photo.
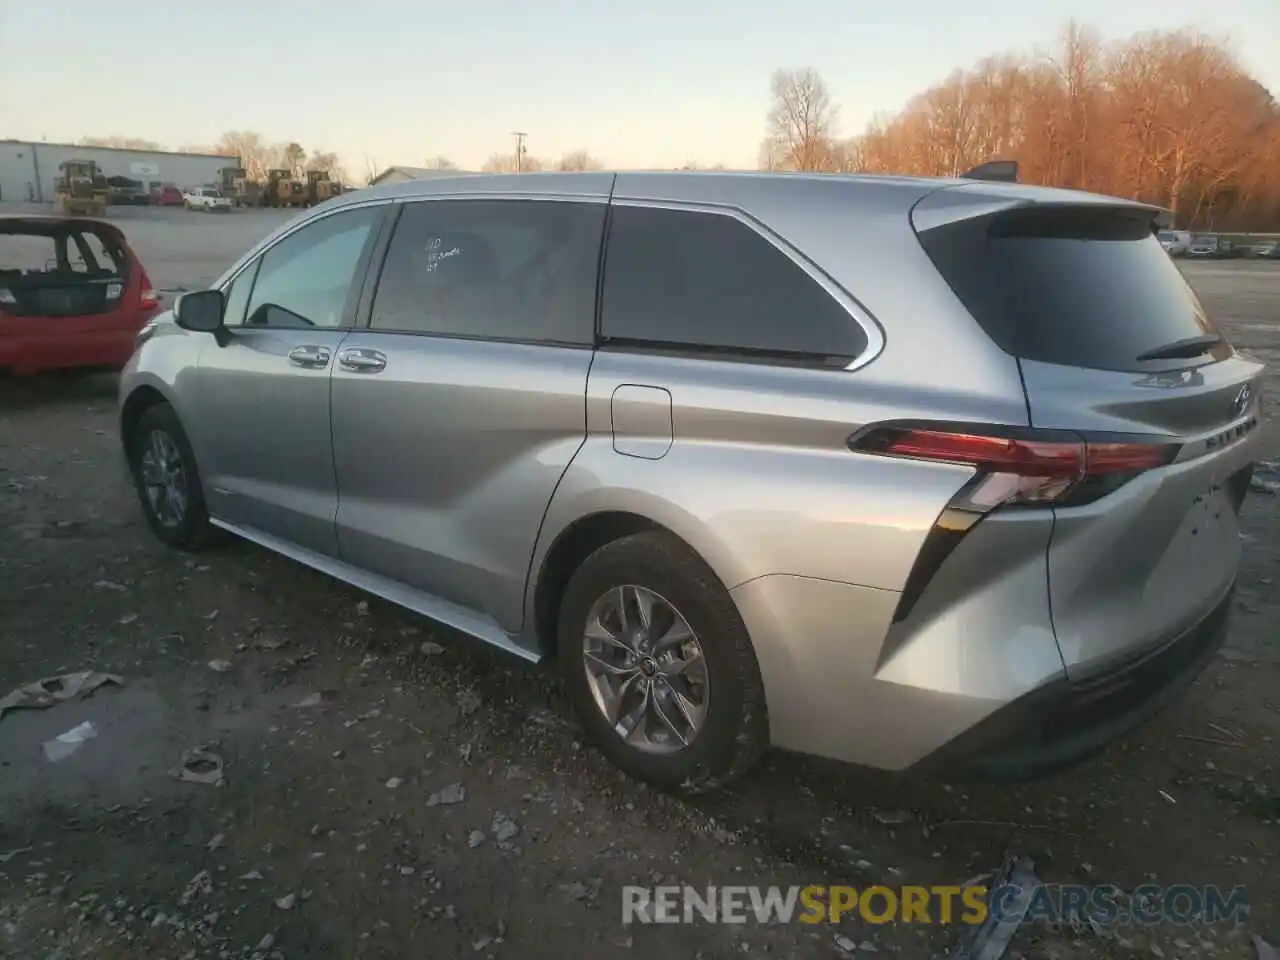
(72, 294)
(169, 196)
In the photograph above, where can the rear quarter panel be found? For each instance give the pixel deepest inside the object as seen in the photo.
(759, 478)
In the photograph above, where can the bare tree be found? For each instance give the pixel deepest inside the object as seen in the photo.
(440, 162)
(1170, 118)
(506, 163)
(577, 160)
(253, 153)
(773, 154)
(801, 120)
(330, 163)
(292, 157)
(371, 168)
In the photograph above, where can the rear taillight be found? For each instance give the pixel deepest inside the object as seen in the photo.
(1015, 467)
(1023, 466)
(148, 298)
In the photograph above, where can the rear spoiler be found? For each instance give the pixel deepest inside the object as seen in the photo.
(994, 171)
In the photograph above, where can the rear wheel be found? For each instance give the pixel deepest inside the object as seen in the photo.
(168, 484)
(659, 665)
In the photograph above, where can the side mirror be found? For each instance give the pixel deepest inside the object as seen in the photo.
(200, 311)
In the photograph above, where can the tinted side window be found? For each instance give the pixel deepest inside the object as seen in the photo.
(499, 269)
(304, 280)
(709, 280)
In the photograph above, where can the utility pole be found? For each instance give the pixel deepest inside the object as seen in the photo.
(519, 149)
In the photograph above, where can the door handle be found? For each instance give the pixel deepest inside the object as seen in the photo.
(362, 360)
(311, 357)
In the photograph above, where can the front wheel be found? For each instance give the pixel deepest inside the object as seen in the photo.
(168, 484)
(659, 666)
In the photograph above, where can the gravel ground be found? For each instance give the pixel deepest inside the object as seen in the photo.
(387, 782)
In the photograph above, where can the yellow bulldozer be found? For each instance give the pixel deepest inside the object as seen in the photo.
(320, 187)
(282, 191)
(236, 185)
(81, 189)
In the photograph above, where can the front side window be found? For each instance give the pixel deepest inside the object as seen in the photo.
(520, 270)
(709, 281)
(305, 280)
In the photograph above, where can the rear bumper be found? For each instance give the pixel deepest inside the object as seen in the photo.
(33, 346)
(1062, 723)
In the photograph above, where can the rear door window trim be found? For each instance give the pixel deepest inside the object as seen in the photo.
(870, 327)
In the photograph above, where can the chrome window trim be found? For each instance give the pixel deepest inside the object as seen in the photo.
(860, 314)
(264, 246)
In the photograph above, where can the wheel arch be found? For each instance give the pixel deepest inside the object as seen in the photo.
(588, 531)
(139, 400)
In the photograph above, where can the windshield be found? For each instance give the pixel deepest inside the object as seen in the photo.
(1167, 237)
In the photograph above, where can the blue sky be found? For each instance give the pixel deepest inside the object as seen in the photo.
(652, 83)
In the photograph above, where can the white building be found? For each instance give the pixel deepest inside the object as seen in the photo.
(28, 170)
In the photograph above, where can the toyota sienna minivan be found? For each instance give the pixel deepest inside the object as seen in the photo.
(916, 474)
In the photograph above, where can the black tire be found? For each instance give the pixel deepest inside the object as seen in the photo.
(193, 530)
(735, 731)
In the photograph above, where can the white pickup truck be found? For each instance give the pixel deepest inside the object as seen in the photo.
(208, 199)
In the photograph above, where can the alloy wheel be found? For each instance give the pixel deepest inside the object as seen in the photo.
(646, 669)
(164, 478)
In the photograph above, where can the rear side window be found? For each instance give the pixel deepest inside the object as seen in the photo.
(706, 280)
(1080, 287)
(522, 270)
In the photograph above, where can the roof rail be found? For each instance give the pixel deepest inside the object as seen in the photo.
(996, 171)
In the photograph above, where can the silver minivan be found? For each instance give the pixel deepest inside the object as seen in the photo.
(932, 474)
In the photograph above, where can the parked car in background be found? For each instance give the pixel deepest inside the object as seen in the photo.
(166, 196)
(126, 192)
(1264, 250)
(887, 471)
(1175, 242)
(72, 294)
(208, 199)
(1206, 246)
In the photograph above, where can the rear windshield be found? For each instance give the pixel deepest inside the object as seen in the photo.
(42, 251)
(1083, 287)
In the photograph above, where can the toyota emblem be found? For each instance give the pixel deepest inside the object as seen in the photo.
(1241, 403)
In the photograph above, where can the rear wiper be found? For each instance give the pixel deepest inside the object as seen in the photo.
(1188, 347)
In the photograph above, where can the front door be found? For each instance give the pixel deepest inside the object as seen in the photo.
(268, 450)
(457, 412)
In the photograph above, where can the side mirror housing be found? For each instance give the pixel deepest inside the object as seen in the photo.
(200, 311)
